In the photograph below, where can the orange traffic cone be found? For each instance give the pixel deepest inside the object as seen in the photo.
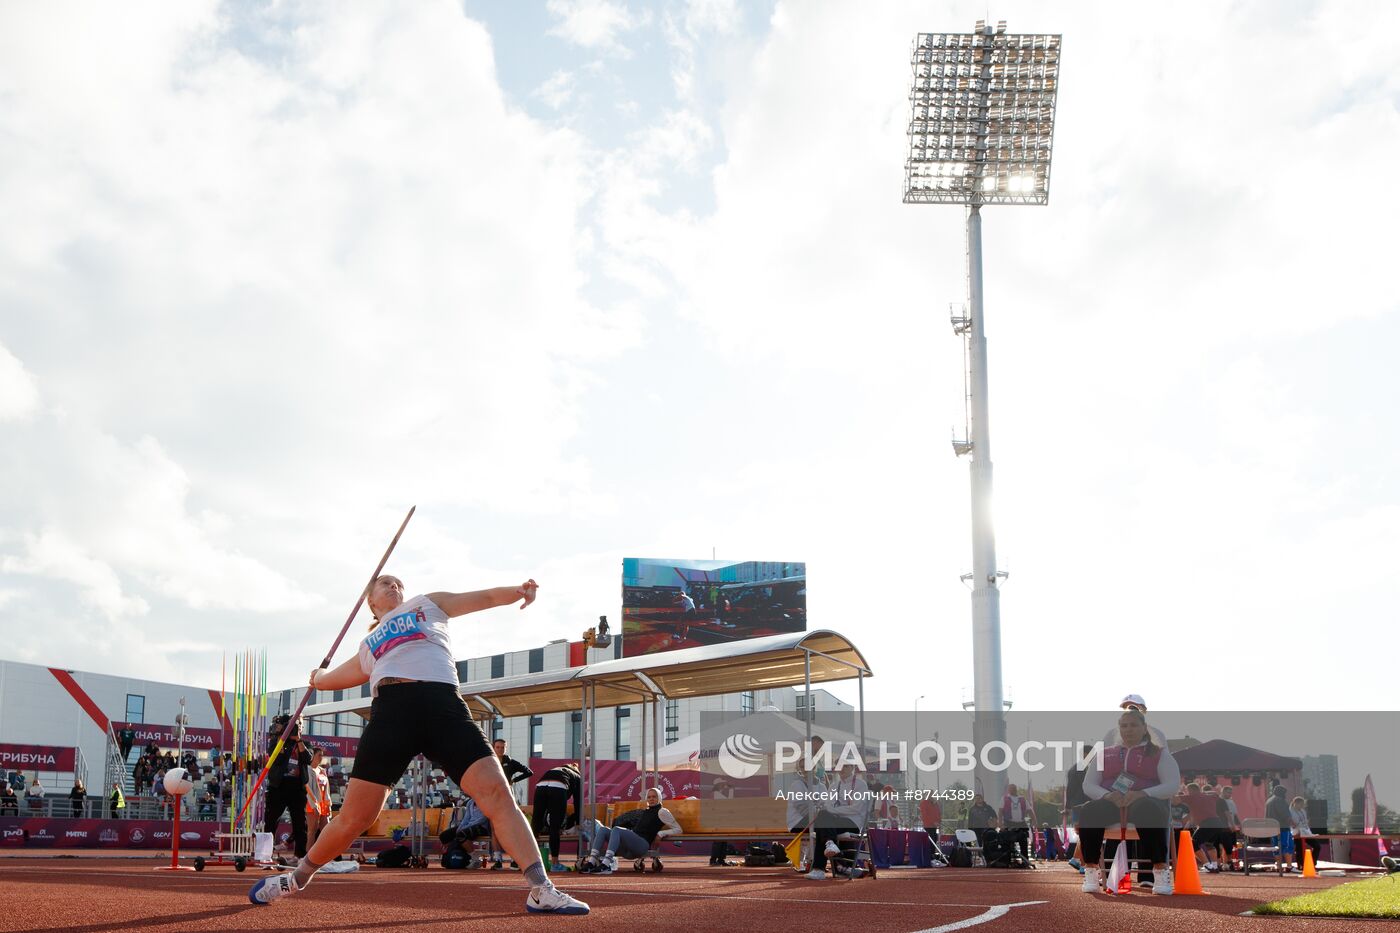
(1309, 869)
(1188, 879)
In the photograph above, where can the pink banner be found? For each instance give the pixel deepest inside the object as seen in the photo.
(36, 758)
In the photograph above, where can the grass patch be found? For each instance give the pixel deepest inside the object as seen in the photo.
(1376, 897)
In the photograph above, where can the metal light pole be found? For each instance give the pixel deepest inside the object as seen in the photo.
(980, 132)
(916, 745)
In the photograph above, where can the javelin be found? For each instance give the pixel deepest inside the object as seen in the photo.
(277, 749)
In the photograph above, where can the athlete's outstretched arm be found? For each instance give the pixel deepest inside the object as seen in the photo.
(459, 604)
(347, 675)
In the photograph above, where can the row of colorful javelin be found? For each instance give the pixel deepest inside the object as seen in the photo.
(245, 709)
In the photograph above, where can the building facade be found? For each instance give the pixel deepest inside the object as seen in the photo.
(45, 711)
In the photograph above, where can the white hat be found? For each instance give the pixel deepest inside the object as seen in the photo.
(1132, 699)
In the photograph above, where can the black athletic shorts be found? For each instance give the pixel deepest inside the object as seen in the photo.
(430, 719)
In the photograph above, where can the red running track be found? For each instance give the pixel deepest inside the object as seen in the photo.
(95, 895)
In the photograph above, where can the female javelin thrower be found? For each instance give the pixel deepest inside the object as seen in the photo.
(407, 659)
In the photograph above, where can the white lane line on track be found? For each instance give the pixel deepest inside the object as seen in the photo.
(750, 897)
(992, 913)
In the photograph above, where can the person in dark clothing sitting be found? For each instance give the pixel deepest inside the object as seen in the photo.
(630, 838)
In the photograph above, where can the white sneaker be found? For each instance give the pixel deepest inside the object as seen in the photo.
(1162, 881)
(1092, 884)
(832, 849)
(271, 888)
(547, 899)
(816, 874)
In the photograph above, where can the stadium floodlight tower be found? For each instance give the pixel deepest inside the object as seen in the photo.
(980, 130)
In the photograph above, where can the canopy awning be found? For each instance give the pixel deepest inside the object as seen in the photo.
(710, 670)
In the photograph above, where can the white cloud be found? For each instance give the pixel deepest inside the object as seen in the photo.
(557, 90)
(594, 24)
(52, 554)
(308, 288)
(19, 396)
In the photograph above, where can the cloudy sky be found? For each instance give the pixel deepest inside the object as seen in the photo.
(587, 279)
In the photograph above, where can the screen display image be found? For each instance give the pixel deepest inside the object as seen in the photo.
(672, 604)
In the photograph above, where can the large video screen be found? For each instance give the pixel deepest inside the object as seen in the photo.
(671, 604)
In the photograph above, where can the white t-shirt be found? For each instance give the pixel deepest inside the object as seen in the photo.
(411, 642)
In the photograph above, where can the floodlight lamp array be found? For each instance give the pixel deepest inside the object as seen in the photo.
(982, 117)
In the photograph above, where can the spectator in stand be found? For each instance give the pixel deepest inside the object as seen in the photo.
(76, 796)
(35, 795)
(125, 739)
(117, 806)
(208, 803)
(151, 750)
(1018, 816)
(9, 803)
(981, 818)
(17, 782)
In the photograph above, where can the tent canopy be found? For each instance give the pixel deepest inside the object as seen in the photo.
(709, 670)
(1219, 755)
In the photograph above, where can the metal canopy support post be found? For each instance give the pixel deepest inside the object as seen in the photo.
(644, 749)
(807, 716)
(591, 806)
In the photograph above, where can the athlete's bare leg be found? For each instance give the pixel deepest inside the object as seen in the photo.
(363, 801)
(486, 783)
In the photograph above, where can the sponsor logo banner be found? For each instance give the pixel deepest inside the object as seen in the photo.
(36, 757)
(21, 832)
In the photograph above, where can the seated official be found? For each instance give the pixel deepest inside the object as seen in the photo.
(1136, 780)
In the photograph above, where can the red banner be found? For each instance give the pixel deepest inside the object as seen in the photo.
(336, 746)
(165, 737)
(36, 758)
(622, 780)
